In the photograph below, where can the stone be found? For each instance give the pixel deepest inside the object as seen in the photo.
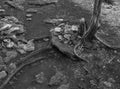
(57, 29)
(74, 28)
(31, 10)
(64, 86)
(30, 46)
(28, 19)
(3, 74)
(40, 78)
(28, 15)
(1, 60)
(10, 55)
(57, 79)
(12, 67)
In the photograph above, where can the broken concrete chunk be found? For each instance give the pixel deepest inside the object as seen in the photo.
(3, 74)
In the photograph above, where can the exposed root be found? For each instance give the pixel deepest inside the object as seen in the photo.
(18, 69)
(31, 55)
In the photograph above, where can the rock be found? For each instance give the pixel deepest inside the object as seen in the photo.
(29, 19)
(64, 86)
(16, 28)
(1, 60)
(10, 19)
(60, 37)
(67, 36)
(10, 55)
(57, 79)
(40, 78)
(12, 67)
(2, 10)
(8, 43)
(29, 15)
(15, 5)
(53, 21)
(3, 74)
(21, 51)
(30, 46)
(31, 88)
(74, 28)
(42, 2)
(4, 26)
(57, 29)
(31, 10)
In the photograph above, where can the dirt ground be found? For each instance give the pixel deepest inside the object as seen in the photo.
(55, 70)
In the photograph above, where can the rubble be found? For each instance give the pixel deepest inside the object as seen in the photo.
(10, 27)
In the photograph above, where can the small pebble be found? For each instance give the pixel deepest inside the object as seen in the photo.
(29, 19)
(29, 15)
(11, 54)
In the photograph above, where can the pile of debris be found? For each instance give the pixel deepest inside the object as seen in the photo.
(12, 35)
(67, 33)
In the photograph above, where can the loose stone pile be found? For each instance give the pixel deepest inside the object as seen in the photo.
(12, 42)
(66, 33)
(12, 35)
